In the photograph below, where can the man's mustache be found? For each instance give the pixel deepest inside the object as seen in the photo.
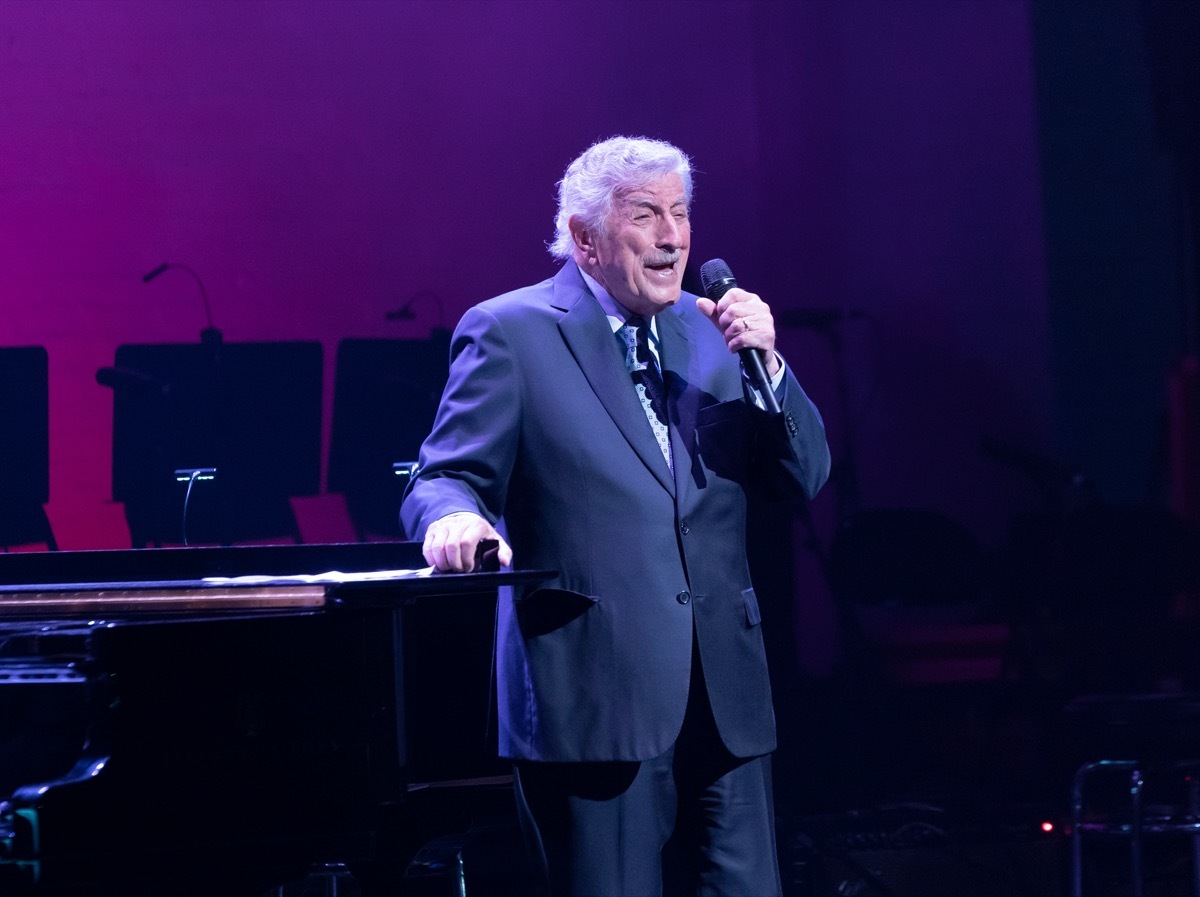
(668, 259)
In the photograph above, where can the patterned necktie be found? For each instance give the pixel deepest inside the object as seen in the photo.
(643, 368)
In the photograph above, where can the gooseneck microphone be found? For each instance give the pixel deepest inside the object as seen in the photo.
(210, 334)
(718, 280)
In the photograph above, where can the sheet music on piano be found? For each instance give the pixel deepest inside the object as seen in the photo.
(486, 561)
(329, 577)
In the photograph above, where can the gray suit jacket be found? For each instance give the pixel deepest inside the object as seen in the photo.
(540, 425)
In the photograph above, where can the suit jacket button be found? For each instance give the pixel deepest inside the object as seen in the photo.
(685, 529)
(684, 597)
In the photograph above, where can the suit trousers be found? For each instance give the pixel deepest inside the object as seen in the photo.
(693, 821)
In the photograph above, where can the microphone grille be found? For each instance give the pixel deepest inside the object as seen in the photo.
(716, 278)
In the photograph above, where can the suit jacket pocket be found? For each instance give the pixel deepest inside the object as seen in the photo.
(750, 600)
(723, 433)
(544, 610)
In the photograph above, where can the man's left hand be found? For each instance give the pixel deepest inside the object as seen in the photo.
(746, 323)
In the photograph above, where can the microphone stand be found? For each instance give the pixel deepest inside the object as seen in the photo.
(212, 339)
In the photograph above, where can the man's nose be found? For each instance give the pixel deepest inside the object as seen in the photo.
(670, 233)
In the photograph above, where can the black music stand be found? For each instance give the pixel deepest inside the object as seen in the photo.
(25, 447)
(386, 394)
(250, 410)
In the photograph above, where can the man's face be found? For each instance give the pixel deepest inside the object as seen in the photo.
(640, 256)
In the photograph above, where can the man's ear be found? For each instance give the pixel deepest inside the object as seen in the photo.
(584, 239)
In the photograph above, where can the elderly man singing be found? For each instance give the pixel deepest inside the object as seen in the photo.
(600, 424)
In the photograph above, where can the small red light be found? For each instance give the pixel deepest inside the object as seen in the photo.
(1047, 826)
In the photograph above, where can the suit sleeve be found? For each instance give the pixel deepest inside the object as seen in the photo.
(466, 461)
(794, 441)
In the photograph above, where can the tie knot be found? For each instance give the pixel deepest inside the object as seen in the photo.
(635, 333)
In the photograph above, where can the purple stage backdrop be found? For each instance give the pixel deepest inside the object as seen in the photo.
(320, 164)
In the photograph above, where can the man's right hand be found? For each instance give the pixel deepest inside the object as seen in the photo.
(451, 541)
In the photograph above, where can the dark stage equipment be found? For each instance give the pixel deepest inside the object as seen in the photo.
(922, 851)
(251, 411)
(24, 446)
(162, 735)
(386, 393)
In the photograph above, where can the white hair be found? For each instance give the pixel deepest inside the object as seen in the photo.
(587, 189)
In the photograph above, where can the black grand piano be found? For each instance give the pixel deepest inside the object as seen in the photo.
(205, 721)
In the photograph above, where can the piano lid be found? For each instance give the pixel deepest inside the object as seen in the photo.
(196, 563)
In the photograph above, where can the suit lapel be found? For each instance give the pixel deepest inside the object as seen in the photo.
(675, 344)
(586, 331)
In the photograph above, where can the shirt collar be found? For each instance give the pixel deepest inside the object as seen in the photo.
(616, 313)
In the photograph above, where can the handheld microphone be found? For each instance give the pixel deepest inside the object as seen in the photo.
(718, 280)
(129, 378)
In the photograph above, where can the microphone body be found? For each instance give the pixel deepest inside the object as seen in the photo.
(718, 280)
(120, 377)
